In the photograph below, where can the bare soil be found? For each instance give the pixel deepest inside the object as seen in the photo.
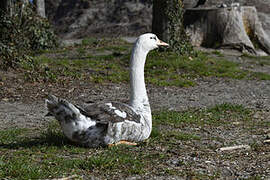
(22, 106)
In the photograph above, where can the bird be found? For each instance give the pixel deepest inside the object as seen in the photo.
(110, 123)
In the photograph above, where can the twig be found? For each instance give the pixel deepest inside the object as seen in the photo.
(66, 178)
(230, 148)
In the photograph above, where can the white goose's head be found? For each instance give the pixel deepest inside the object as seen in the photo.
(150, 41)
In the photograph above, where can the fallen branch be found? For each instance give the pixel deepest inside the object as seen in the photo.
(67, 178)
(230, 148)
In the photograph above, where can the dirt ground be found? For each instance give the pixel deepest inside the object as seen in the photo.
(22, 105)
(18, 111)
(19, 100)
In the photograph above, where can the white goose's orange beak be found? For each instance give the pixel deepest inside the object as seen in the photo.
(161, 43)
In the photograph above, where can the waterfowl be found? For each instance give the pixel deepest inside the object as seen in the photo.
(111, 123)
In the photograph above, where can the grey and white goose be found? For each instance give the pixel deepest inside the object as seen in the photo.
(111, 123)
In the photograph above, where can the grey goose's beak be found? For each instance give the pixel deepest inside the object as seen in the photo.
(161, 43)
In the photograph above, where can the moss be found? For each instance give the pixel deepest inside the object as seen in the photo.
(250, 32)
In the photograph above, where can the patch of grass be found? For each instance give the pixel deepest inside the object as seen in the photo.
(162, 68)
(171, 136)
(115, 159)
(48, 154)
(182, 136)
(260, 60)
(170, 69)
(51, 155)
(81, 51)
(255, 57)
(220, 114)
(89, 41)
(11, 135)
(218, 53)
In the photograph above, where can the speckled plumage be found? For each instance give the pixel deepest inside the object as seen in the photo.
(105, 123)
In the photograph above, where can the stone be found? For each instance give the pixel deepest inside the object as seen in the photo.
(77, 19)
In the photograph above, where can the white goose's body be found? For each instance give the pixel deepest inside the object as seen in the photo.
(105, 123)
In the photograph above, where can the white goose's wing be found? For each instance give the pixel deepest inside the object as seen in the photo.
(110, 112)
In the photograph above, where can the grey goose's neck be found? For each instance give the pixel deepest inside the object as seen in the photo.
(138, 98)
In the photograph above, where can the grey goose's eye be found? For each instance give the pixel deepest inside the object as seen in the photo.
(153, 37)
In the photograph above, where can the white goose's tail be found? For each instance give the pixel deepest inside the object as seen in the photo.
(61, 109)
(76, 126)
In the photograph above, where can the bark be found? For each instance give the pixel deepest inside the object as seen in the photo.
(25, 1)
(234, 27)
(7, 6)
(3, 5)
(255, 30)
(160, 19)
(40, 8)
(168, 24)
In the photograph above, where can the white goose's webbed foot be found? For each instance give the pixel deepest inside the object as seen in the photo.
(123, 142)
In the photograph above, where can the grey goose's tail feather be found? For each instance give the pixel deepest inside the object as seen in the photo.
(61, 109)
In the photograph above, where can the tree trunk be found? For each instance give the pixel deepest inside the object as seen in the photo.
(160, 19)
(40, 7)
(4, 5)
(168, 24)
(234, 27)
(25, 2)
(7, 6)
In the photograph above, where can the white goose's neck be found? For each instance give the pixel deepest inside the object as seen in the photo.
(138, 99)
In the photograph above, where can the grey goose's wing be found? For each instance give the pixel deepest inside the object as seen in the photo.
(105, 112)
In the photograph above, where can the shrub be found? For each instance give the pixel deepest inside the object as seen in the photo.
(22, 33)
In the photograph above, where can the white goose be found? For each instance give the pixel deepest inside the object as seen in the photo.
(111, 123)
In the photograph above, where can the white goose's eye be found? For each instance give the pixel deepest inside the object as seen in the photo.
(155, 38)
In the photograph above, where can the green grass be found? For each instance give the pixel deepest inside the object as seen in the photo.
(218, 53)
(107, 60)
(52, 155)
(28, 154)
(218, 115)
(259, 60)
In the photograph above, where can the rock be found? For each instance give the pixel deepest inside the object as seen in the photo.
(174, 162)
(76, 19)
(226, 172)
